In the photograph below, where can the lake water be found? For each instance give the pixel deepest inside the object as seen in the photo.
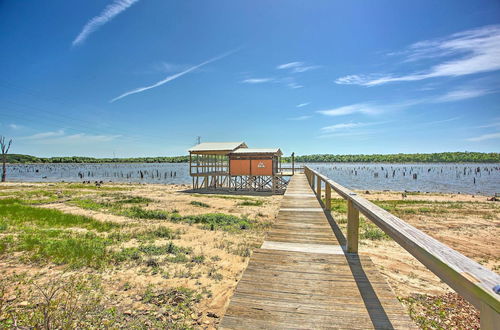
(481, 179)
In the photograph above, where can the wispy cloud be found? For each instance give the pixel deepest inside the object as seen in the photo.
(43, 135)
(110, 12)
(443, 120)
(60, 137)
(172, 77)
(290, 65)
(370, 108)
(294, 85)
(257, 80)
(494, 124)
(485, 137)
(475, 51)
(300, 118)
(82, 137)
(303, 104)
(167, 67)
(15, 126)
(287, 81)
(461, 94)
(360, 134)
(343, 126)
(364, 108)
(297, 67)
(290, 82)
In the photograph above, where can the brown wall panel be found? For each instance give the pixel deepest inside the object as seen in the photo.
(262, 167)
(240, 167)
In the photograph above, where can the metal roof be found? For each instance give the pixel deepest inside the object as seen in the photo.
(257, 151)
(218, 146)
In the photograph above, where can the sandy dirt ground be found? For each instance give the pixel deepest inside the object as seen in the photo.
(469, 224)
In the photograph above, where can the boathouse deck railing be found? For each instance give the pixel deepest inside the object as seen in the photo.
(468, 278)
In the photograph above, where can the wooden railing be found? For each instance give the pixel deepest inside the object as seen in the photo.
(468, 278)
(289, 169)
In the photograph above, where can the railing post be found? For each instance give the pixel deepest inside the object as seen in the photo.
(490, 319)
(328, 196)
(318, 187)
(352, 227)
(312, 181)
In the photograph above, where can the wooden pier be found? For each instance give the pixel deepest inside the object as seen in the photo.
(301, 278)
(308, 275)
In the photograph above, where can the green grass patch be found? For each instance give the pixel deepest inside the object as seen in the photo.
(46, 235)
(209, 221)
(172, 252)
(133, 200)
(158, 232)
(15, 213)
(90, 204)
(74, 250)
(140, 213)
(368, 230)
(147, 235)
(3, 225)
(59, 247)
(114, 206)
(36, 196)
(251, 203)
(90, 186)
(219, 221)
(338, 205)
(200, 204)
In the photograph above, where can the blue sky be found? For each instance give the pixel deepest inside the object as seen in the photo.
(146, 77)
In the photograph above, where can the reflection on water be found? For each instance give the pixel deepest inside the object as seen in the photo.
(465, 178)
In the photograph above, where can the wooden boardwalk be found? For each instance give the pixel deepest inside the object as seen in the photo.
(301, 278)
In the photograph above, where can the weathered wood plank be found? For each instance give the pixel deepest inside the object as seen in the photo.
(303, 247)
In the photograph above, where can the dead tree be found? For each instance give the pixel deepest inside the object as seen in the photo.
(5, 150)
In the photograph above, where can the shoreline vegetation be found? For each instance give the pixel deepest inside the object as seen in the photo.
(443, 157)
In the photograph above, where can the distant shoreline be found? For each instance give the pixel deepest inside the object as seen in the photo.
(420, 158)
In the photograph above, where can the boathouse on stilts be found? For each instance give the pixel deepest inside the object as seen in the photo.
(232, 165)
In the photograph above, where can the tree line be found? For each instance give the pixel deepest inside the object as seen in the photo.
(443, 157)
(24, 159)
